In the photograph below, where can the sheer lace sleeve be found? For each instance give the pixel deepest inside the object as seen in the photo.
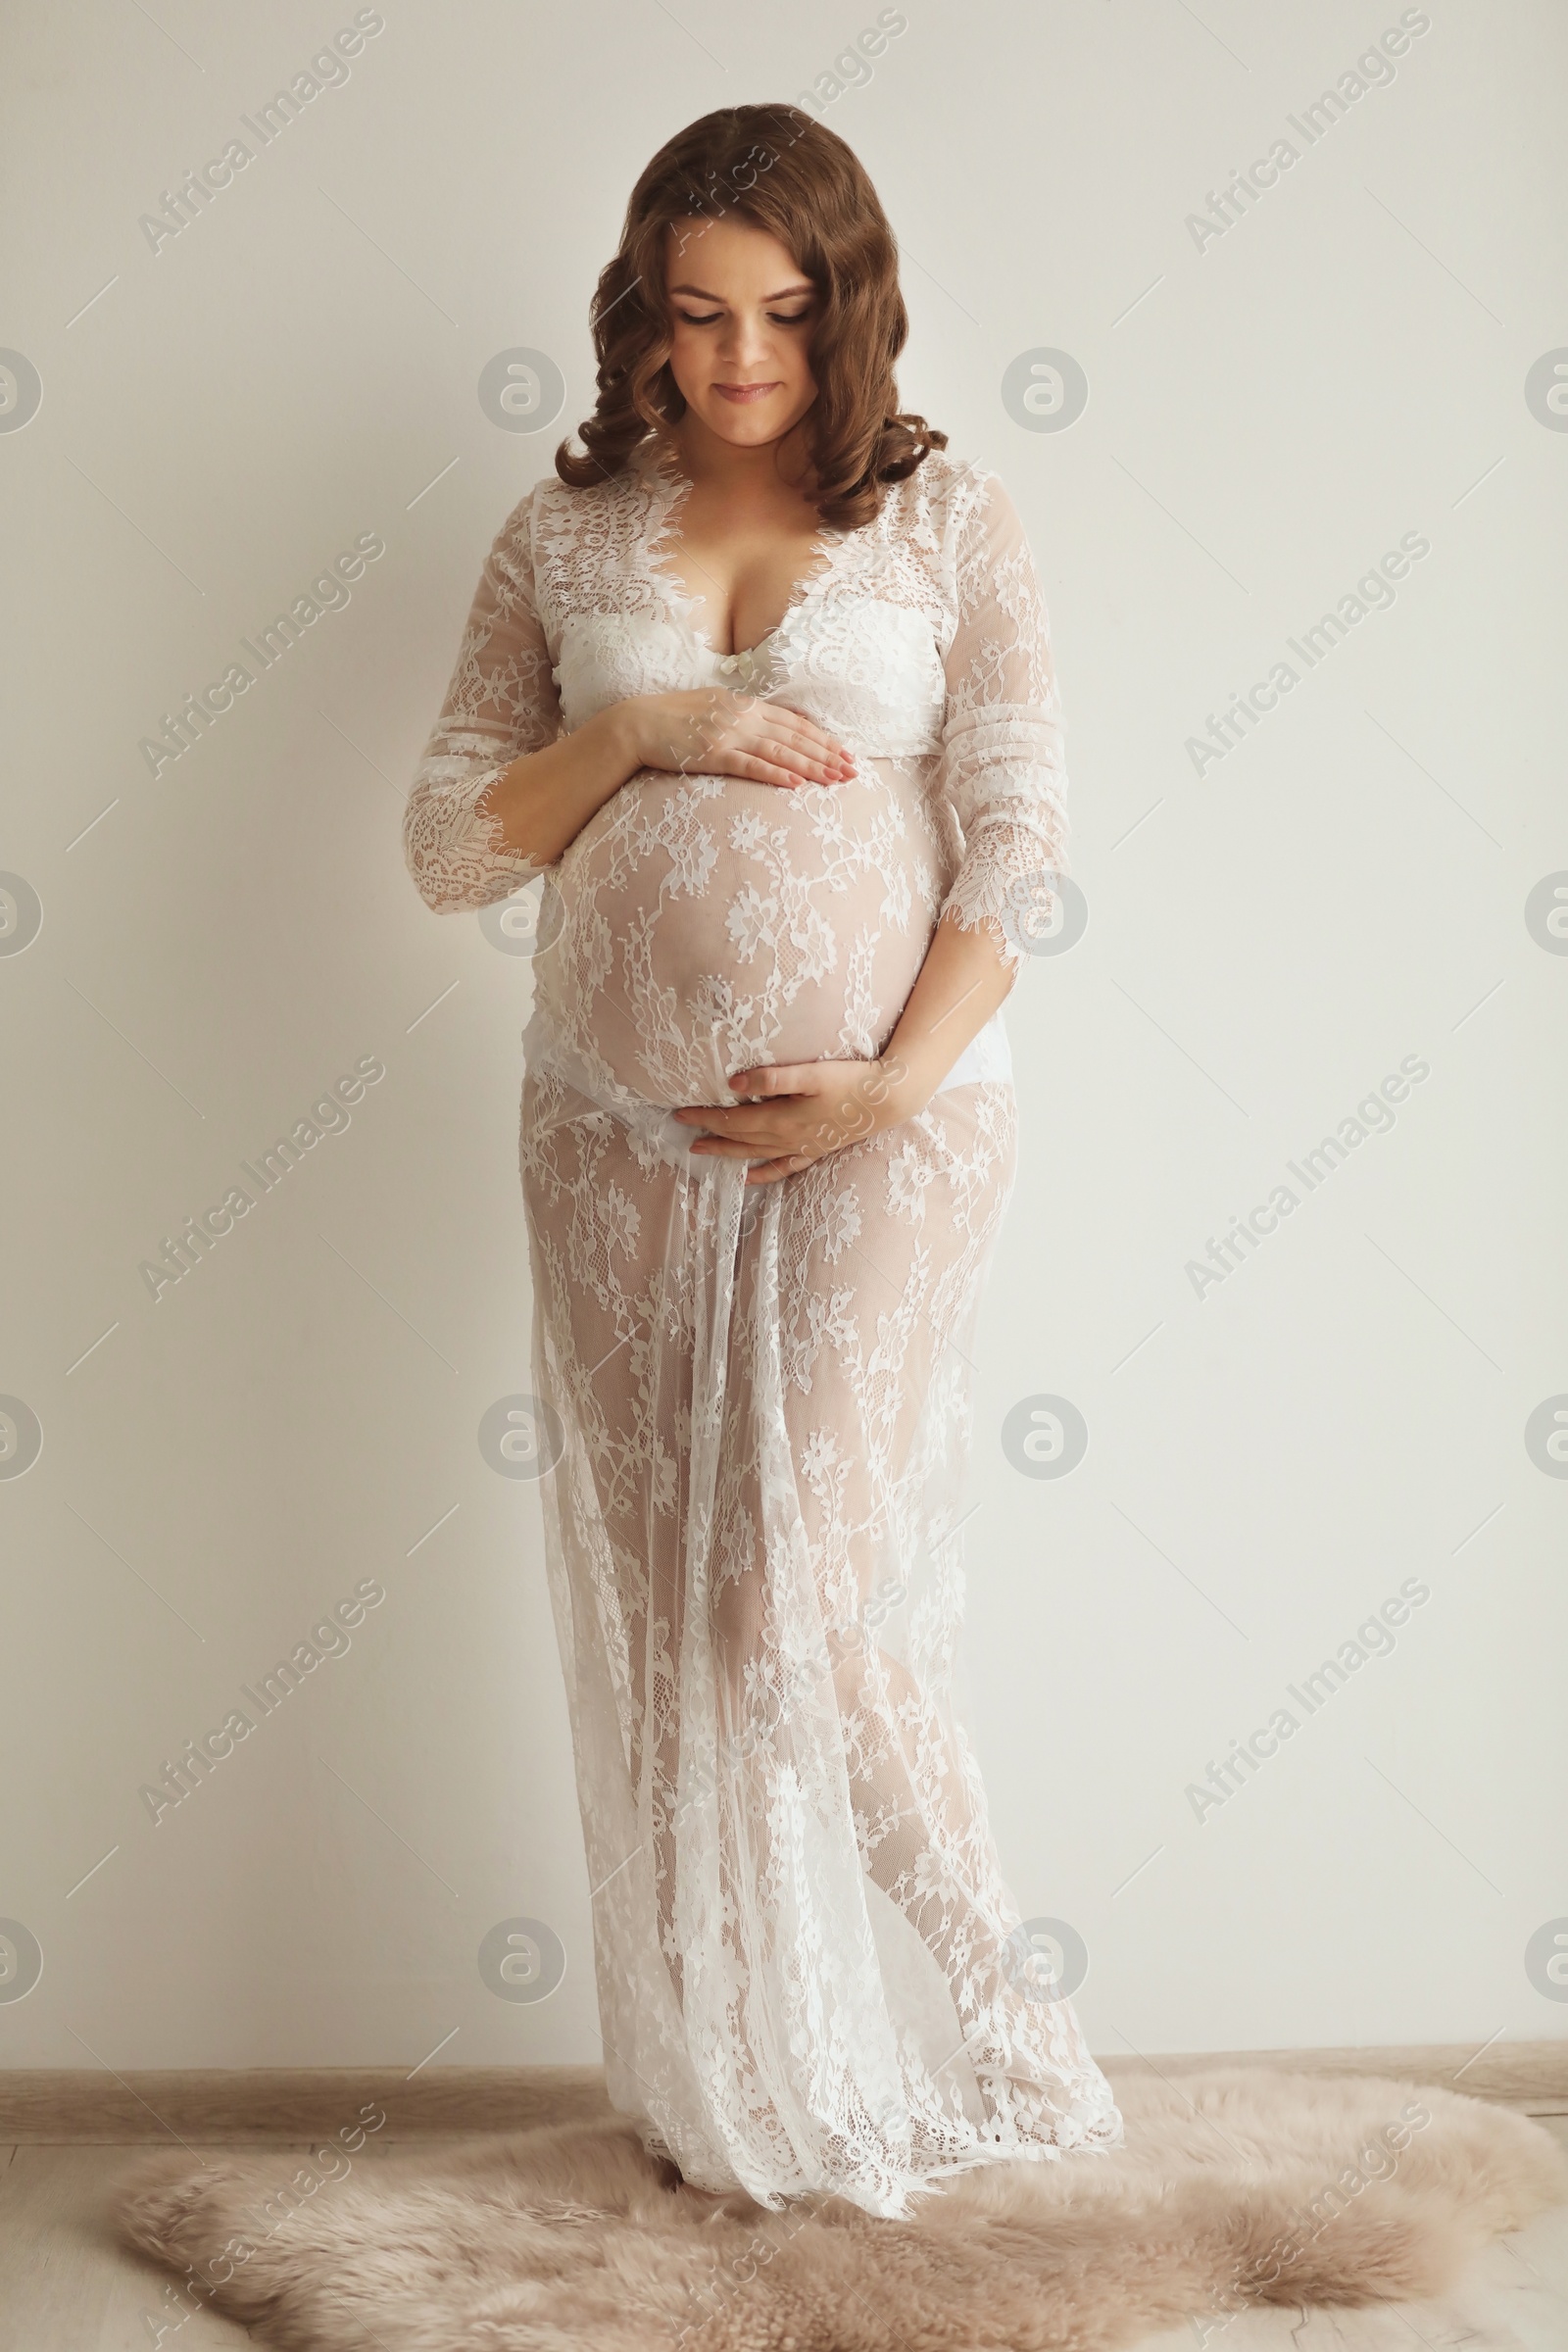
(1001, 765)
(500, 703)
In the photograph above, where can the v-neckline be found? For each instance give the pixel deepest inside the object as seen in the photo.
(670, 491)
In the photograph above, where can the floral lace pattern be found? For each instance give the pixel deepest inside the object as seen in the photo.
(811, 1976)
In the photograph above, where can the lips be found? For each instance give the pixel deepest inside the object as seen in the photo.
(744, 393)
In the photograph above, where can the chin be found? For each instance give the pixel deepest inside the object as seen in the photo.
(744, 425)
(747, 425)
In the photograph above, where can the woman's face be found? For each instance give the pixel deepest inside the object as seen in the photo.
(742, 314)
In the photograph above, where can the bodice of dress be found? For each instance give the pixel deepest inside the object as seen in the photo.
(921, 642)
(868, 671)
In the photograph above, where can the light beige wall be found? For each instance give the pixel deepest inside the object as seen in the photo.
(1269, 409)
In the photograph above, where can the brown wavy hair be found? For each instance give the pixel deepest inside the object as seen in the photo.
(780, 168)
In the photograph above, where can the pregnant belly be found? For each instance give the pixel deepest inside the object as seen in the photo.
(704, 925)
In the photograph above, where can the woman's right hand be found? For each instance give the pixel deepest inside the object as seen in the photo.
(711, 731)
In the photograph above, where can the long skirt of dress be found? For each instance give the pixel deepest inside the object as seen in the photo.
(810, 1975)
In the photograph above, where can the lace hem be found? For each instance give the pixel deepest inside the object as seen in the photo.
(456, 851)
(1005, 887)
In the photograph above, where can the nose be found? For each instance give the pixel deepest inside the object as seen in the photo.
(744, 343)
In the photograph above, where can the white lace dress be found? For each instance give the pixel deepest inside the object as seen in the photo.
(811, 1976)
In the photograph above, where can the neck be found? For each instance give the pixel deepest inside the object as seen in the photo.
(739, 470)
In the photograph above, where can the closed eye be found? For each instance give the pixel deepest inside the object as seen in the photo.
(779, 317)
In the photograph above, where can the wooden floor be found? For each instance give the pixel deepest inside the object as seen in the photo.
(67, 2286)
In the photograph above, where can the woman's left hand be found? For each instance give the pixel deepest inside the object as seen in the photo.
(799, 1111)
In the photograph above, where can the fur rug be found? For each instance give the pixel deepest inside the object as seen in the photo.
(1236, 2187)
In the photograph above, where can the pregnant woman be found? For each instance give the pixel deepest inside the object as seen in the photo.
(762, 688)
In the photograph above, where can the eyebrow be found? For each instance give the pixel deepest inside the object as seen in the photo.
(804, 289)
